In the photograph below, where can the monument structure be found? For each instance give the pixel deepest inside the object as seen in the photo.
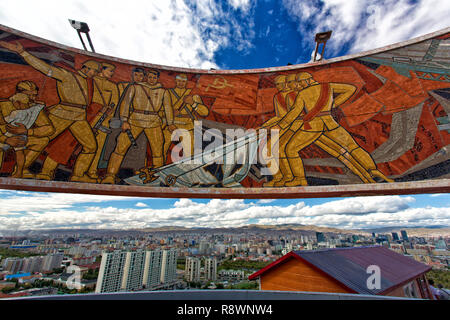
(364, 124)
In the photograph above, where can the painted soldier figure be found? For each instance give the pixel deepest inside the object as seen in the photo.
(25, 127)
(140, 112)
(187, 108)
(75, 91)
(107, 95)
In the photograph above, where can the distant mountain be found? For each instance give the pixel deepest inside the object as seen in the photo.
(420, 231)
(301, 227)
(166, 228)
(433, 231)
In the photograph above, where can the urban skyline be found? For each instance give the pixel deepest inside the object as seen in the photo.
(125, 261)
(224, 35)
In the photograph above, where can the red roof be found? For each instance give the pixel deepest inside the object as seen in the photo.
(14, 295)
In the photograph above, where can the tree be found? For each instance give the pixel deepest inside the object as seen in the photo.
(7, 290)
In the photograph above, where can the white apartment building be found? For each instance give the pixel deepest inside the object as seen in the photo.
(231, 275)
(152, 269)
(32, 264)
(169, 266)
(136, 270)
(211, 269)
(111, 270)
(192, 269)
(77, 251)
(204, 247)
(12, 265)
(133, 273)
(52, 261)
(221, 248)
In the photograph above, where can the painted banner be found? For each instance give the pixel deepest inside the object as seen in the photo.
(371, 123)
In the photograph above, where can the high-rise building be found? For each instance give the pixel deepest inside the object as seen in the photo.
(395, 236)
(404, 235)
(32, 264)
(320, 237)
(441, 245)
(12, 265)
(192, 269)
(169, 266)
(211, 269)
(204, 247)
(152, 271)
(136, 270)
(221, 248)
(111, 270)
(382, 238)
(133, 272)
(52, 261)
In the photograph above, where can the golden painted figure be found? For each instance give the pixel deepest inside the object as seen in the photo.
(284, 174)
(101, 110)
(75, 91)
(281, 108)
(140, 112)
(187, 108)
(24, 126)
(107, 95)
(279, 101)
(313, 108)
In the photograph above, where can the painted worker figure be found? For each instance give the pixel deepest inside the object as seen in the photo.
(24, 126)
(104, 102)
(290, 92)
(286, 134)
(140, 112)
(75, 91)
(313, 107)
(279, 101)
(280, 108)
(293, 89)
(107, 95)
(187, 108)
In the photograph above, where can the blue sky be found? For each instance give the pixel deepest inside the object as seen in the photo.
(233, 34)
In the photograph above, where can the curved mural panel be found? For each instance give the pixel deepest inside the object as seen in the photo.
(371, 123)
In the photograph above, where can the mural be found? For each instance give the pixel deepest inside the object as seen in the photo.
(67, 115)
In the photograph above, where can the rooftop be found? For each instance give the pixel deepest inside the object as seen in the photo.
(349, 266)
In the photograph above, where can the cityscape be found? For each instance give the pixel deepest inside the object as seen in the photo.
(51, 262)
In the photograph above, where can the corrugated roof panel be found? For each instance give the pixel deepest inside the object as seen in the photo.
(344, 270)
(349, 266)
(394, 267)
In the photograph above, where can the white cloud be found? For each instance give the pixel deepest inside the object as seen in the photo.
(367, 24)
(22, 202)
(141, 205)
(265, 201)
(357, 212)
(240, 4)
(173, 33)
